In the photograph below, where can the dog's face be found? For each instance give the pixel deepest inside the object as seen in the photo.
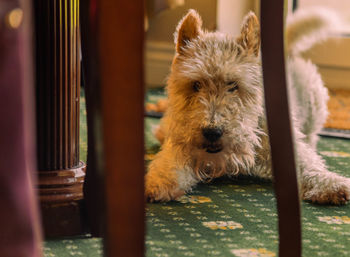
(215, 91)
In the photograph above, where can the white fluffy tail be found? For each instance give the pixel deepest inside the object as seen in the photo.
(307, 27)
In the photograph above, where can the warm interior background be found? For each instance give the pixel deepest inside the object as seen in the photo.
(333, 57)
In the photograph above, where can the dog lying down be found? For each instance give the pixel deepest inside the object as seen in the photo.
(215, 122)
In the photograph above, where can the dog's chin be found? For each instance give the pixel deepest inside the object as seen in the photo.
(209, 161)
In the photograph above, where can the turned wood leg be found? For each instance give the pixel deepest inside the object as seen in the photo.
(61, 173)
(120, 40)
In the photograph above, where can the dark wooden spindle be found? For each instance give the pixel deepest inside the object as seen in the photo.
(61, 173)
(120, 41)
(279, 126)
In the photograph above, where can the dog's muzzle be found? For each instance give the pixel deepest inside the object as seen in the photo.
(212, 135)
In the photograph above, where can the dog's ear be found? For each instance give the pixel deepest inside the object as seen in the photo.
(250, 34)
(189, 28)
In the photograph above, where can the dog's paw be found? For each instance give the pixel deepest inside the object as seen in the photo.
(337, 195)
(158, 190)
(162, 194)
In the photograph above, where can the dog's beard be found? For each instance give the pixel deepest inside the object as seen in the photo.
(231, 160)
(237, 154)
(207, 166)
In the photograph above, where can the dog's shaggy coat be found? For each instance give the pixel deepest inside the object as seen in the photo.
(215, 122)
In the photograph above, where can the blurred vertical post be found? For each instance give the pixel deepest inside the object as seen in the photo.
(279, 127)
(295, 5)
(20, 233)
(121, 43)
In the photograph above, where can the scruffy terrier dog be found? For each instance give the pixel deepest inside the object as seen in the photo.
(215, 123)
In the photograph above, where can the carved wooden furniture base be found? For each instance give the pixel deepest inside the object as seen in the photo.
(61, 196)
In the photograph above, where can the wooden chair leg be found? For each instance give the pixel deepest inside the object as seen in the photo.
(279, 126)
(121, 35)
(94, 189)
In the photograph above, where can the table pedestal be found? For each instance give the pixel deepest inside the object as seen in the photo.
(61, 173)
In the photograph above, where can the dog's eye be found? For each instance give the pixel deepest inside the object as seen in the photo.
(196, 86)
(233, 86)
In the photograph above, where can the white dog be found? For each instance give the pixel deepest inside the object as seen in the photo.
(215, 122)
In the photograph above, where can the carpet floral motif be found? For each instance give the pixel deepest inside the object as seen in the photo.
(335, 219)
(261, 252)
(223, 225)
(194, 199)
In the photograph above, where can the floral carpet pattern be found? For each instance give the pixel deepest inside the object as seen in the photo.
(230, 217)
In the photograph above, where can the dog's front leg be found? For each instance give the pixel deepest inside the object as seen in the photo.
(317, 184)
(166, 180)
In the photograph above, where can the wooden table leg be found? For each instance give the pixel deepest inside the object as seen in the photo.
(61, 173)
(279, 126)
(94, 186)
(121, 34)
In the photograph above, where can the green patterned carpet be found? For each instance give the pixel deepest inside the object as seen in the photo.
(230, 217)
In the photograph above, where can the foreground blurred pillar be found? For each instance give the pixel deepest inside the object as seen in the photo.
(19, 222)
(61, 173)
(120, 41)
(279, 127)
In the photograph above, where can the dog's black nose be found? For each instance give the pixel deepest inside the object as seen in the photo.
(212, 134)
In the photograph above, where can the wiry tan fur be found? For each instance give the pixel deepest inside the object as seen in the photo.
(206, 67)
